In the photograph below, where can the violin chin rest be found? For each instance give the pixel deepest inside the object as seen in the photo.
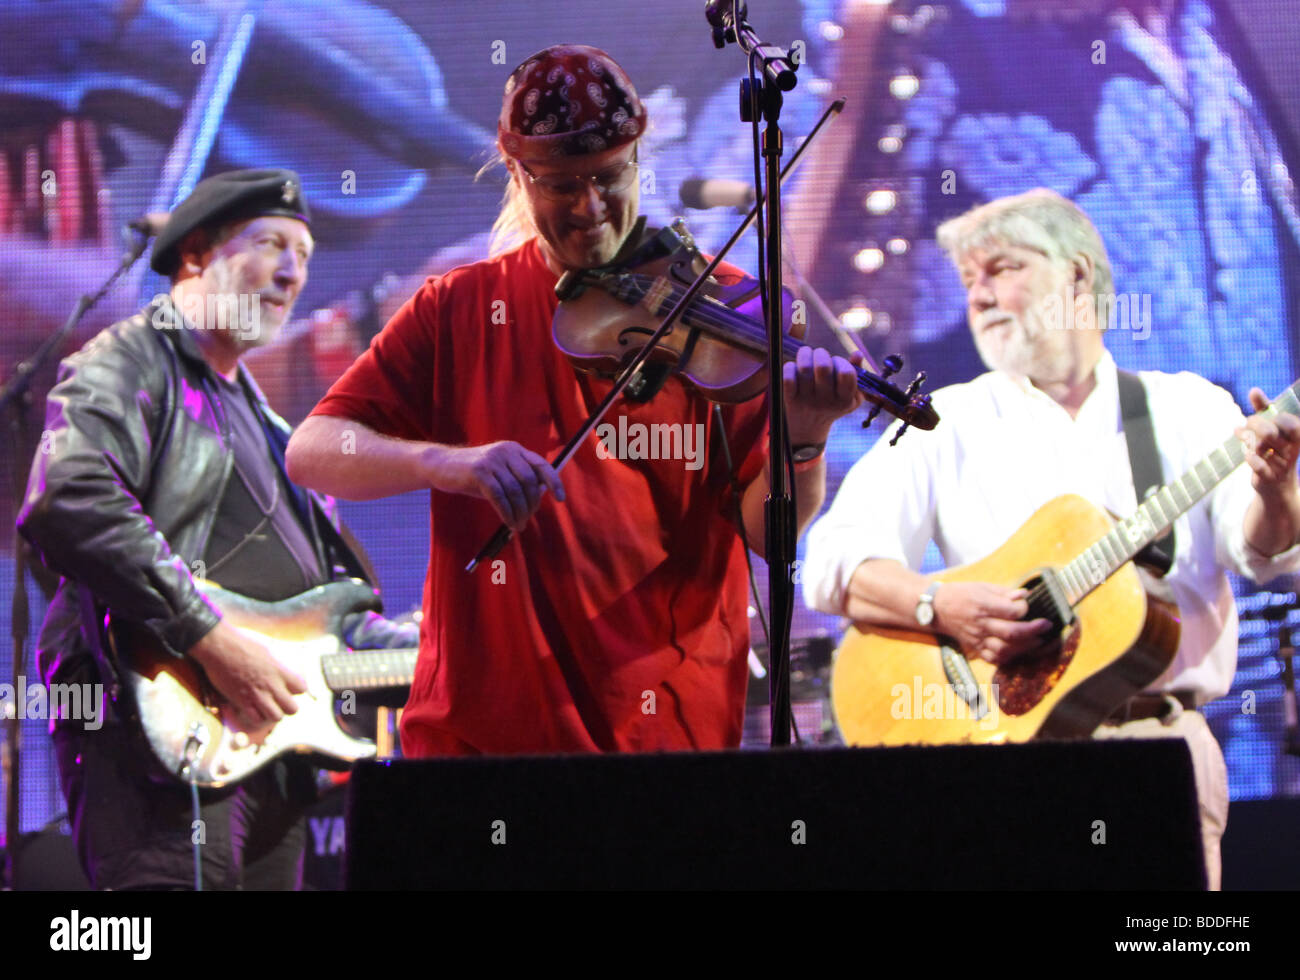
(570, 285)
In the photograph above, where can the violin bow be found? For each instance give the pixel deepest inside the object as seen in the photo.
(503, 533)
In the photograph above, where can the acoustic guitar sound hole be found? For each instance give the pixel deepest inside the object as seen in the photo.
(1024, 682)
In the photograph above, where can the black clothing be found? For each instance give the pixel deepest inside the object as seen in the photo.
(253, 834)
(224, 198)
(128, 483)
(146, 452)
(257, 547)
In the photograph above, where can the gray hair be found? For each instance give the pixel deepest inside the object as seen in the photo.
(1039, 219)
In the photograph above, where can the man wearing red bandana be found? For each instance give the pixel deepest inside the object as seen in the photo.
(616, 618)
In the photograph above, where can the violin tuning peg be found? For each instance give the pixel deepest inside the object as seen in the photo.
(871, 416)
(899, 434)
(892, 365)
(915, 386)
(688, 240)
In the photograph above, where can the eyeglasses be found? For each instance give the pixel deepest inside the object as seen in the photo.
(557, 187)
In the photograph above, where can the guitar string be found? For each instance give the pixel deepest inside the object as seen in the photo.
(1231, 449)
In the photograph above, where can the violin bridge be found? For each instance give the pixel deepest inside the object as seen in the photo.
(657, 296)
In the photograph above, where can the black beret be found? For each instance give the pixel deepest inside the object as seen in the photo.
(236, 195)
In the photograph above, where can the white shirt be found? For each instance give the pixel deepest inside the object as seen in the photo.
(1003, 449)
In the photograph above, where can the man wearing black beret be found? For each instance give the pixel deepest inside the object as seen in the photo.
(163, 463)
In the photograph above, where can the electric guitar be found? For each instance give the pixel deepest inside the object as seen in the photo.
(1111, 636)
(194, 735)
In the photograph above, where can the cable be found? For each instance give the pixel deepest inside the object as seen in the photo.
(198, 854)
(194, 742)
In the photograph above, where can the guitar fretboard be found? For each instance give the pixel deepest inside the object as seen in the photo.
(369, 670)
(1159, 511)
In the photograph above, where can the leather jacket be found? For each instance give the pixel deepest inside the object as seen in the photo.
(127, 481)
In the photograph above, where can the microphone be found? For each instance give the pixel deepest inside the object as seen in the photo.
(702, 193)
(150, 225)
(720, 16)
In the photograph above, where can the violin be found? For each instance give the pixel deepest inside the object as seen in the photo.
(606, 315)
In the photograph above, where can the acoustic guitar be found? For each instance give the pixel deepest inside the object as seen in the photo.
(1111, 635)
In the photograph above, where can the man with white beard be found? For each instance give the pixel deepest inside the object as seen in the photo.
(1046, 421)
(163, 464)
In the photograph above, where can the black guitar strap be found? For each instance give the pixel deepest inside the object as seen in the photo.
(1144, 459)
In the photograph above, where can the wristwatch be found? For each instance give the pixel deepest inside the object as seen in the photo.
(925, 605)
(807, 452)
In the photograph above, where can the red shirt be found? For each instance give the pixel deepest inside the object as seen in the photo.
(615, 621)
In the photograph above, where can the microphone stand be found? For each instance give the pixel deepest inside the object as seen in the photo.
(17, 392)
(762, 97)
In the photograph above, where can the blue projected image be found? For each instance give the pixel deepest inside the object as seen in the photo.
(1162, 130)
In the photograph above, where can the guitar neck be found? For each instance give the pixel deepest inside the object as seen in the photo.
(369, 670)
(1158, 512)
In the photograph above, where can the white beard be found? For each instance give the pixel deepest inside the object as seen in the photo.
(1026, 348)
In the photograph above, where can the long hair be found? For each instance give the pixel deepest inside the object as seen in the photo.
(514, 222)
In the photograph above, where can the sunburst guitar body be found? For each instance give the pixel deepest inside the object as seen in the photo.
(195, 736)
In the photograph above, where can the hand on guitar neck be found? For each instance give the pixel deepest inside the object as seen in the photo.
(986, 620)
(1272, 441)
(256, 687)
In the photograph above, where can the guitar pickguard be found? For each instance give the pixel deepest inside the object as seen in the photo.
(1022, 684)
(193, 734)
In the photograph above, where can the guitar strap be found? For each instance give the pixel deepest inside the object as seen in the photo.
(1144, 459)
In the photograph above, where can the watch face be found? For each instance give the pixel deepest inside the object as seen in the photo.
(925, 611)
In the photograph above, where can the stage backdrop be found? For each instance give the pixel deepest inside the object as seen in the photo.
(1164, 128)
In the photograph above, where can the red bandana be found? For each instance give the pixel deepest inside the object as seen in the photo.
(568, 100)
